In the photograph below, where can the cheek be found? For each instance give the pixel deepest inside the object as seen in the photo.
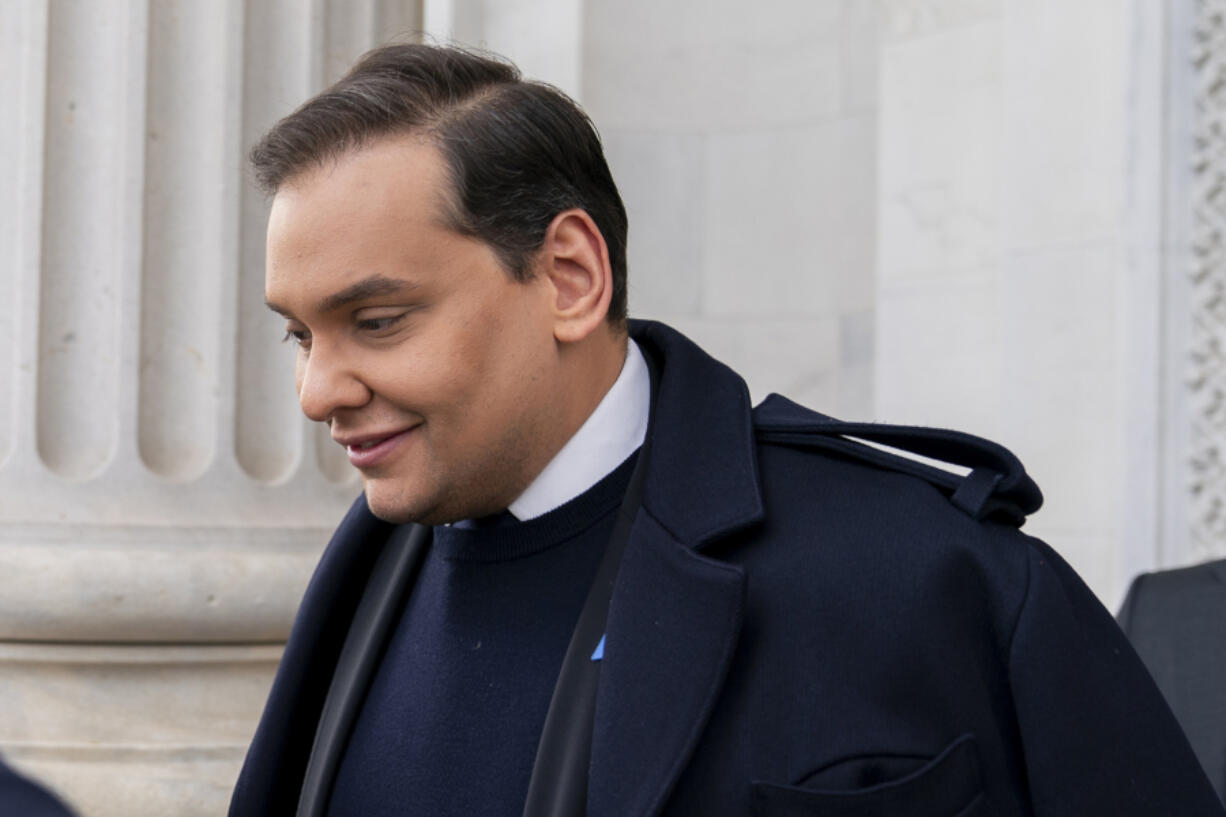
(509, 359)
(475, 352)
(469, 387)
(477, 363)
(436, 380)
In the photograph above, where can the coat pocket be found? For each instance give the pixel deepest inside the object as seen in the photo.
(949, 785)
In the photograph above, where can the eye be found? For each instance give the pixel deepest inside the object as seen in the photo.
(299, 337)
(378, 322)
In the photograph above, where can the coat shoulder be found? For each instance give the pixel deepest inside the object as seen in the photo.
(868, 510)
(977, 476)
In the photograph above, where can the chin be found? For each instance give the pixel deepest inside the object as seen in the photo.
(392, 506)
(393, 499)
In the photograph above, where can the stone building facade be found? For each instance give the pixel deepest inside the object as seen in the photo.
(1001, 215)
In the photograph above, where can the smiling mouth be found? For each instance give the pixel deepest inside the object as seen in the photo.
(369, 453)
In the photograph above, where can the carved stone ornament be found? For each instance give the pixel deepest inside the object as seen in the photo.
(1206, 354)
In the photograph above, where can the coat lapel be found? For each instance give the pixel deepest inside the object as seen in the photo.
(673, 627)
(676, 614)
(372, 625)
(272, 774)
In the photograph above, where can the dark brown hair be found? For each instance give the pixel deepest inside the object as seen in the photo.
(518, 152)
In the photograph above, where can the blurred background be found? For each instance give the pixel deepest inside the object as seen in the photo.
(997, 215)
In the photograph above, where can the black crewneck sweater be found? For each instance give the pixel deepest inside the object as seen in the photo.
(451, 722)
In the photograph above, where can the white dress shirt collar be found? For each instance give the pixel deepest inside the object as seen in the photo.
(611, 433)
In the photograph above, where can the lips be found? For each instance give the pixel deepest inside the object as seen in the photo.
(369, 450)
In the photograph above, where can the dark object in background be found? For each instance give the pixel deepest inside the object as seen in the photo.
(1176, 619)
(19, 797)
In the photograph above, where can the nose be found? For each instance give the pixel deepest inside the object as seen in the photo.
(328, 383)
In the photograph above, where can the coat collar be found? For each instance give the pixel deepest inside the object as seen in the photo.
(675, 617)
(703, 483)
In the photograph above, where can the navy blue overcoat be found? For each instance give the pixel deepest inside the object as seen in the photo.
(805, 625)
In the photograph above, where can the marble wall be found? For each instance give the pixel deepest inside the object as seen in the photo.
(1002, 197)
(1049, 265)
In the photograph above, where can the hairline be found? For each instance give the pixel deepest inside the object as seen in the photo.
(446, 211)
(446, 207)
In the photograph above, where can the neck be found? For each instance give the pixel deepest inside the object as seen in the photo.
(585, 372)
(614, 429)
(590, 368)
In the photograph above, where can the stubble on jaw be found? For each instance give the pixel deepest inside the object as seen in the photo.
(492, 484)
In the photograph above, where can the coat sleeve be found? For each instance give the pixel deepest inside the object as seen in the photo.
(1097, 736)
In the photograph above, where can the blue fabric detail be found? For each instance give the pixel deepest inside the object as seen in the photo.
(598, 653)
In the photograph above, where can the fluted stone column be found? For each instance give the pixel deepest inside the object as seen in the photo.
(162, 501)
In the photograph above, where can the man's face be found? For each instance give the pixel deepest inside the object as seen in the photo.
(430, 364)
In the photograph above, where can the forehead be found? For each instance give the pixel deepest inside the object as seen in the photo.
(375, 210)
(403, 176)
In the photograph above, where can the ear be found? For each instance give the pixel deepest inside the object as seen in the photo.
(575, 260)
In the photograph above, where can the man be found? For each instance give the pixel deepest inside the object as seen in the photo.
(1176, 620)
(585, 577)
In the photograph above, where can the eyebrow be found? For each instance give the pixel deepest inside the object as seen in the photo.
(372, 287)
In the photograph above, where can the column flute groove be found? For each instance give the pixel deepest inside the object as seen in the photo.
(23, 28)
(232, 184)
(132, 123)
(83, 239)
(277, 75)
(184, 262)
(28, 22)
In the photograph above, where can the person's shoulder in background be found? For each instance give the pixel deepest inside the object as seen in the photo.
(1176, 620)
(20, 797)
